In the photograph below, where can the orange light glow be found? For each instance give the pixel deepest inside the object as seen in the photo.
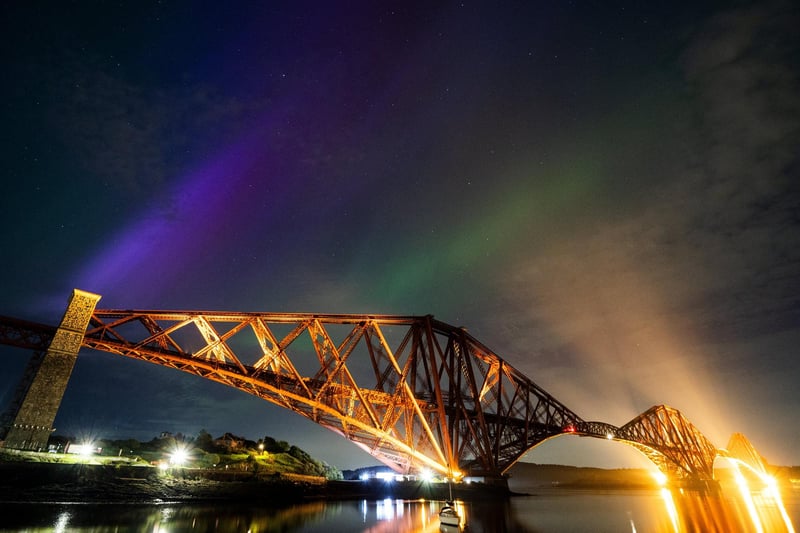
(672, 511)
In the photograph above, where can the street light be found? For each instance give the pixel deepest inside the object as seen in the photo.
(179, 455)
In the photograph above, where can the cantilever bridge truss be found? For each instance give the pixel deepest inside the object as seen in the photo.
(412, 391)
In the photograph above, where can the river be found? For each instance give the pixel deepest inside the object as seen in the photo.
(548, 510)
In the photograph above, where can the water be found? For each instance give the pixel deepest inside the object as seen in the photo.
(551, 510)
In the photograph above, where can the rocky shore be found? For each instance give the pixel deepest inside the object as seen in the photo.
(42, 482)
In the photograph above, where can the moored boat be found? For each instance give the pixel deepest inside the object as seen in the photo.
(448, 515)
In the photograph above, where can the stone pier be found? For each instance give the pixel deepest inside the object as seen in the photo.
(29, 422)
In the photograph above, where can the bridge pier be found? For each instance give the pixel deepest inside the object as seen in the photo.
(28, 423)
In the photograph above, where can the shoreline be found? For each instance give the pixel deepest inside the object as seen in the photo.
(33, 482)
(81, 483)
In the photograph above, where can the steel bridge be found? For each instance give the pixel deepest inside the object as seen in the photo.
(412, 391)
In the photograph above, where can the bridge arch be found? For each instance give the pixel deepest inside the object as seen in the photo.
(664, 436)
(672, 442)
(412, 391)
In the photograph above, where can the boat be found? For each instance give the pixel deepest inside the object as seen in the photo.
(448, 515)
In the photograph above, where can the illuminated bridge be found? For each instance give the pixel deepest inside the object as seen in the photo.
(414, 392)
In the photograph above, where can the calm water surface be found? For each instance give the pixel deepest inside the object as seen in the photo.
(544, 511)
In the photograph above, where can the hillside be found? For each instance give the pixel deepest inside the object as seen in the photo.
(530, 476)
(527, 476)
(228, 453)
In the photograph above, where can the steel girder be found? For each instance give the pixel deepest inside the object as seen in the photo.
(740, 449)
(24, 334)
(600, 430)
(668, 439)
(412, 391)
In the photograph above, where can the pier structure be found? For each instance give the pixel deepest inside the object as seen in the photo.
(28, 422)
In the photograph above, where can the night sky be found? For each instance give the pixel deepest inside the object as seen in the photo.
(605, 194)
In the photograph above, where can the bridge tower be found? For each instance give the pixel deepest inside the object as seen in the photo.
(29, 421)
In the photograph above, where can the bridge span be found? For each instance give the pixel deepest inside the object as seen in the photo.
(412, 391)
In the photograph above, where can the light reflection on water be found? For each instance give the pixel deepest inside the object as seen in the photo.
(548, 510)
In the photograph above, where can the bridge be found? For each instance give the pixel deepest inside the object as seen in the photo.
(412, 391)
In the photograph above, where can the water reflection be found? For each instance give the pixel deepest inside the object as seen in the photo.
(761, 512)
(62, 522)
(665, 511)
(546, 510)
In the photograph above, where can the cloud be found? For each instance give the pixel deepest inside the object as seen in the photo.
(743, 70)
(636, 307)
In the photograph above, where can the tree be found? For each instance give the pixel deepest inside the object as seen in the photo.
(204, 441)
(332, 472)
